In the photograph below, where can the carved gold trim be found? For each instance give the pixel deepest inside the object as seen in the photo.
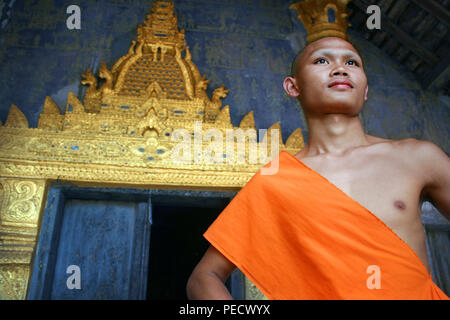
(21, 205)
(13, 281)
(251, 292)
(119, 136)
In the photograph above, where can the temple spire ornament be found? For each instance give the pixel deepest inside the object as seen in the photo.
(130, 115)
(323, 18)
(122, 134)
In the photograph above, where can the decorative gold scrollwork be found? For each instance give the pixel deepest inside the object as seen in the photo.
(120, 135)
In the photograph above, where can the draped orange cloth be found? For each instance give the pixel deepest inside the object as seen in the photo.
(295, 235)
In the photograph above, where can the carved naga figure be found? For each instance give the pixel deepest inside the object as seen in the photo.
(104, 73)
(218, 94)
(212, 108)
(91, 80)
(200, 88)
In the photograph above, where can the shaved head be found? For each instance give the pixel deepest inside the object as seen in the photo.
(296, 61)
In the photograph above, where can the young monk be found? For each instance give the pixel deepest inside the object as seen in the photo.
(340, 219)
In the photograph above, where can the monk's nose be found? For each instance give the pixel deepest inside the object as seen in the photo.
(340, 72)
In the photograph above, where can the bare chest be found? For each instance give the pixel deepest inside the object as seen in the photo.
(387, 189)
(386, 179)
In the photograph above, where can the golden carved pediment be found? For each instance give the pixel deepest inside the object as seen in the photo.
(128, 116)
(124, 133)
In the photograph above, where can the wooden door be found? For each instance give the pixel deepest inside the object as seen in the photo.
(106, 237)
(92, 249)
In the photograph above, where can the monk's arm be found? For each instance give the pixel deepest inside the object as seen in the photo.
(207, 281)
(436, 166)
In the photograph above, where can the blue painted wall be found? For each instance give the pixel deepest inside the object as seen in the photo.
(247, 45)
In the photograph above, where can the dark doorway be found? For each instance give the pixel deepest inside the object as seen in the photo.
(176, 246)
(107, 232)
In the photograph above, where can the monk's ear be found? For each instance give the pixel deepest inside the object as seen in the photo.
(290, 86)
(365, 93)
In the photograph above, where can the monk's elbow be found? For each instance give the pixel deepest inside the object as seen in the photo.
(205, 284)
(193, 286)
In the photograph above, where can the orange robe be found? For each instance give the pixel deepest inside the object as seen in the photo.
(295, 235)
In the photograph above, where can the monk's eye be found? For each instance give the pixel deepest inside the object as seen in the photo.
(352, 63)
(320, 61)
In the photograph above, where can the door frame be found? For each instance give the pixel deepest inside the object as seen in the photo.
(44, 259)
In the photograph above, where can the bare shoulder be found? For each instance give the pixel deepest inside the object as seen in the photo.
(400, 148)
(420, 150)
(417, 149)
(421, 154)
(424, 156)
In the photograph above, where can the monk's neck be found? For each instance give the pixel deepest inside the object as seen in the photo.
(334, 134)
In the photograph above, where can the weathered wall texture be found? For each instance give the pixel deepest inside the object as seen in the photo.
(247, 45)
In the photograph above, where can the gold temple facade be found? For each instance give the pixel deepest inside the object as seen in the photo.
(121, 135)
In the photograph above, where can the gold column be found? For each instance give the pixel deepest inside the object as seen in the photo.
(252, 292)
(21, 204)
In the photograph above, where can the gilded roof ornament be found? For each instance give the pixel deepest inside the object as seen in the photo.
(120, 135)
(152, 90)
(323, 18)
(130, 110)
(16, 118)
